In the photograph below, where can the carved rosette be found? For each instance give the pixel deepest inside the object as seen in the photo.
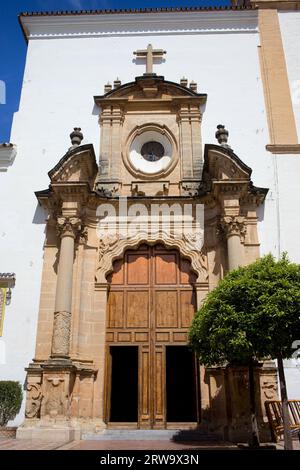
(61, 336)
(234, 226)
(33, 400)
(68, 226)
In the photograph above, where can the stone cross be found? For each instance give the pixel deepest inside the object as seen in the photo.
(150, 54)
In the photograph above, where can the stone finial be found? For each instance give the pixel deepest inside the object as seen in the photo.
(76, 137)
(222, 135)
(184, 81)
(107, 87)
(193, 86)
(117, 83)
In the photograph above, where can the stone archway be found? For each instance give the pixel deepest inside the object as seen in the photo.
(151, 303)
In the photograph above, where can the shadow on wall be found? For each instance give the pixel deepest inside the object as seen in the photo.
(261, 212)
(40, 216)
(228, 413)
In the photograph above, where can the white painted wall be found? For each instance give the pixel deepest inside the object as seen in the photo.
(290, 31)
(61, 77)
(289, 168)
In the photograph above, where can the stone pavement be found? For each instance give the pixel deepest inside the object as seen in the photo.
(26, 444)
(145, 445)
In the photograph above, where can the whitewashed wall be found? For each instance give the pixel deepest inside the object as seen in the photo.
(61, 77)
(289, 169)
(290, 31)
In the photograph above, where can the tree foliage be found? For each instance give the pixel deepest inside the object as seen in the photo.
(254, 312)
(10, 400)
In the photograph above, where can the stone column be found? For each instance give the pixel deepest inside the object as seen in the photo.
(68, 228)
(234, 229)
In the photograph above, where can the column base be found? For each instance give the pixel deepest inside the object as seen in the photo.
(64, 431)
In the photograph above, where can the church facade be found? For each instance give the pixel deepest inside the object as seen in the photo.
(116, 240)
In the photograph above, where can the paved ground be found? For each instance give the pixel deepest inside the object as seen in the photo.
(28, 444)
(144, 445)
(16, 444)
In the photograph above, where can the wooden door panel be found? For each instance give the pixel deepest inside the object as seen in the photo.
(151, 304)
(186, 275)
(166, 308)
(137, 309)
(144, 387)
(187, 307)
(116, 309)
(166, 268)
(117, 277)
(137, 269)
(159, 387)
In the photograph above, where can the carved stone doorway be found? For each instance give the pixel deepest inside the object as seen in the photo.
(151, 303)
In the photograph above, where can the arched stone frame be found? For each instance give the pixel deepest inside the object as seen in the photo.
(113, 248)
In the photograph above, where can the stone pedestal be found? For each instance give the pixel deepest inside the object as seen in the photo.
(228, 411)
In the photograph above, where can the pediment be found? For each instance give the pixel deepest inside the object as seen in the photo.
(77, 165)
(150, 88)
(221, 164)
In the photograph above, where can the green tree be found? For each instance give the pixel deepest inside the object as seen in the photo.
(252, 314)
(10, 400)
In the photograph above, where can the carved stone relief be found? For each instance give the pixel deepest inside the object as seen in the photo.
(33, 400)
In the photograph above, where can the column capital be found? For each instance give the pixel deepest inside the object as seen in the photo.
(233, 226)
(68, 226)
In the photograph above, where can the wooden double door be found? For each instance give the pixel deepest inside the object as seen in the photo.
(151, 375)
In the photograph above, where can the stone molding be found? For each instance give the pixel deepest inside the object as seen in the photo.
(8, 154)
(276, 4)
(112, 248)
(78, 164)
(238, 21)
(284, 148)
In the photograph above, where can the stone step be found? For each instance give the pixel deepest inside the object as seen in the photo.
(176, 435)
(197, 435)
(131, 434)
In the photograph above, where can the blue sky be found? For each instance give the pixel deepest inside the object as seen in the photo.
(13, 46)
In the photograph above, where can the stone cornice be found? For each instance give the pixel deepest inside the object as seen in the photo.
(283, 148)
(122, 95)
(227, 173)
(8, 153)
(7, 279)
(124, 24)
(83, 155)
(276, 4)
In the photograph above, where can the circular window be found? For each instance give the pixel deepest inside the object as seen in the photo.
(152, 151)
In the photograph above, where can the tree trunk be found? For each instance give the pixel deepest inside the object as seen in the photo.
(288, 443)
(254, 439)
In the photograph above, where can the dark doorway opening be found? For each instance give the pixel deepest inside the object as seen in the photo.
(124, 384)
(181, 385)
